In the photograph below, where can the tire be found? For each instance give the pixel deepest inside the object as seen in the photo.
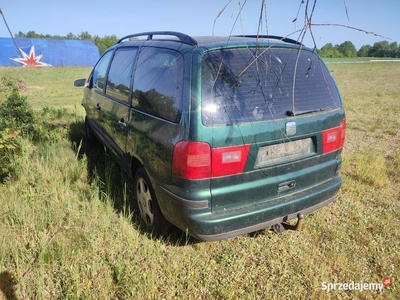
(90, 136)
(147, 204)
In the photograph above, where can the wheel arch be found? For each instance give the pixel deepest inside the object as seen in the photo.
(135, 165)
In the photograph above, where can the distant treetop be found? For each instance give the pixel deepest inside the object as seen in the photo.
(347, 49)
(102, 43)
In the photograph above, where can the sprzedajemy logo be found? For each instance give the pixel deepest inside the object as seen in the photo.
(357, 286)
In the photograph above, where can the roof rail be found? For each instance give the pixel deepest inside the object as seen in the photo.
(275, 37)
(184, 38)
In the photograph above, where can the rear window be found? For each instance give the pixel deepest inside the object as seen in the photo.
(259, 84)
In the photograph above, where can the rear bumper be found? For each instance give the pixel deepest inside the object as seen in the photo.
(262, 225)
(198, 219)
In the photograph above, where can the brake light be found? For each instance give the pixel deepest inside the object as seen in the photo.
(333, 139)
(192, 160)
(197, 160)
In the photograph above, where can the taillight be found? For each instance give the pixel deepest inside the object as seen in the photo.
(333, 139)
(192, 160)
(197, 160)
(229, 160)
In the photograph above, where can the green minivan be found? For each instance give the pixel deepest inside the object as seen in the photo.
(222, 136)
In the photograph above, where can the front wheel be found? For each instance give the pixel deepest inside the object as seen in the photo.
(146, 200)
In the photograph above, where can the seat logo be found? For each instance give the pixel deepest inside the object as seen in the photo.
(290, 128)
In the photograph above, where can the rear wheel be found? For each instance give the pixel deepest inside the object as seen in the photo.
(146, 200)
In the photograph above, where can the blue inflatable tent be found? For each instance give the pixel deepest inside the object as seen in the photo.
(47, 52)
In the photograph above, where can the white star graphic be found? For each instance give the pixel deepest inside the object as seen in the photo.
(30, 60)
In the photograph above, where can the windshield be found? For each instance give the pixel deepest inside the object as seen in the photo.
(258, 84)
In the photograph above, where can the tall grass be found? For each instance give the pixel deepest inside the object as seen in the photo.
(67, 230)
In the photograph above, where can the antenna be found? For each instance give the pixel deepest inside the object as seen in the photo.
(15, 43)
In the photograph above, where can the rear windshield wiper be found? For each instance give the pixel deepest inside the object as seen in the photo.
(292, 113)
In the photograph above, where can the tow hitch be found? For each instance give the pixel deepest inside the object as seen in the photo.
(281, 227)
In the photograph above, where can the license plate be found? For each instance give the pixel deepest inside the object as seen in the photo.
(283, 152)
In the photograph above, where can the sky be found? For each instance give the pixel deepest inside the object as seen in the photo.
(208, 17)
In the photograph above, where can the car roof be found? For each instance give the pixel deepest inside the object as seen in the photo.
(178, 40)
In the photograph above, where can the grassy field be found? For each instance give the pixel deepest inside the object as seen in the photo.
(48, 87)
(67, 232)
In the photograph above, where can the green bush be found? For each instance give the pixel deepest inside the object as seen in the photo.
(8, 84)
(16, 118)
(19, 121)
(16, 113)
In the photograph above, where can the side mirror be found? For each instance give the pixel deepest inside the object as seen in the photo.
(80, 82)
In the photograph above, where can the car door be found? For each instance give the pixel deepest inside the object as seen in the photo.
(157, 99)
(115, 106)
(94, 92)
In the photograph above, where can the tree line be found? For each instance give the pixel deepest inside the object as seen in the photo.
(346, 49)
(101, 42)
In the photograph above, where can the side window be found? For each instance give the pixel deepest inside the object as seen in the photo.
(158, 83)
(120, 74)
(100, 71)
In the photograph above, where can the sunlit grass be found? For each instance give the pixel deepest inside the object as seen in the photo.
(49, 87)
